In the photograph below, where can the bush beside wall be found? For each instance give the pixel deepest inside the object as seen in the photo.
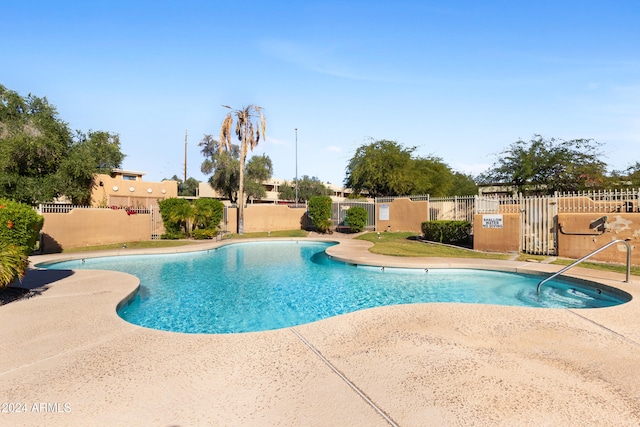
(20, 228)
(356, 218)
(453, 232)
(320, 213)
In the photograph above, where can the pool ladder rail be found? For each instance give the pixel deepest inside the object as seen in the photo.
(589, 256)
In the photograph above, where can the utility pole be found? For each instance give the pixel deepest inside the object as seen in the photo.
(185, 158)
(296, 167)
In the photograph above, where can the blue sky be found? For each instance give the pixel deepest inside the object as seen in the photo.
(460, 80)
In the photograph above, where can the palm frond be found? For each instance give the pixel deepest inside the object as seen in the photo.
(225, 133)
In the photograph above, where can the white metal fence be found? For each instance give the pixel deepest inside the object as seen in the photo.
(603, 201)
(599, 201)
(456, 208)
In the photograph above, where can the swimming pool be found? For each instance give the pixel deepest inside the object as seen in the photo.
(245, 287)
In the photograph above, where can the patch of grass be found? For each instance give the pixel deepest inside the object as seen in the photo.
(406, 244)
(615, 268)
(283, 233)
(133, 245)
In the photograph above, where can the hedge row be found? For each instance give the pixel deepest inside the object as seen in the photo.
(454, 232)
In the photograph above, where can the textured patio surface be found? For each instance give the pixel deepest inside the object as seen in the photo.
(67, 359)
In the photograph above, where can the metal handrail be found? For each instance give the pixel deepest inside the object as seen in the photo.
(588, 256)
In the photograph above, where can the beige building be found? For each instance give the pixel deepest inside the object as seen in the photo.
(126, 188)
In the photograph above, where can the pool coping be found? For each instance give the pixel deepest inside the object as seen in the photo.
(69, 346)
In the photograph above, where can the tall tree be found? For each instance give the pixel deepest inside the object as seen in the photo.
(41, 159)
(259, 169)
(629, 177)
(463, 185)
(386, 168)
(224, 165)
(250, 127)
(544, 166)
(188, 188)
(380, 169)
(307, 188)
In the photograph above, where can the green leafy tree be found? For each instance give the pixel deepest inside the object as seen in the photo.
(544, 166)
(386, 168)
(225, 167)
(380, 169)
(186, 188)
(259, 169)
(41, 159)
(629, 177)
(226, 174)
(431, 176)
(307, 188)
(320, 213)
(463, 185)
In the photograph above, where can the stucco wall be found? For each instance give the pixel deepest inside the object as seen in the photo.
(404, 215)
(617, 226)
(505, 239)
(89, 227)
(266, 218)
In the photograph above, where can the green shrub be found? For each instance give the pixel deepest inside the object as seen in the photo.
(20, 229)
(456, 232)
(202, 234)
(356, 218)
(208, 214)
(13, 264)
(175, 213)
(320, 213)
(173, 235)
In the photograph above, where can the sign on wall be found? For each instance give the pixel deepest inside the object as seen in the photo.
(384, 212)
(492, 221)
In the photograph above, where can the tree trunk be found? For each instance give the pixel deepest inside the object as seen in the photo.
(243, 154)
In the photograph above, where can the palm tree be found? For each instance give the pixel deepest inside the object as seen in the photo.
(249, 136)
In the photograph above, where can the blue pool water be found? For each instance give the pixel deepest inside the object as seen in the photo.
(269, 285)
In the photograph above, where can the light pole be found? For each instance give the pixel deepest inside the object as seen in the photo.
(296, 167)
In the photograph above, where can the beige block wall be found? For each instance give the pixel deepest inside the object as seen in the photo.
(259, 218)
(404, 215)
(505, 239)
(89, 227)
(618, 226)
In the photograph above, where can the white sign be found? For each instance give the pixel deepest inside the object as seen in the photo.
(384, 212)
(492, 221)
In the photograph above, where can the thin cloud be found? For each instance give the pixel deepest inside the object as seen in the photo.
(319, 60)
(275, 141)
(334, 149)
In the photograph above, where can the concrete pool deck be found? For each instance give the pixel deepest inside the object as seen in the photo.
(67, 359)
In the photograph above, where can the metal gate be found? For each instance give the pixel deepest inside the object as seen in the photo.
(538, 225)
(157, 225)
(339, 212)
